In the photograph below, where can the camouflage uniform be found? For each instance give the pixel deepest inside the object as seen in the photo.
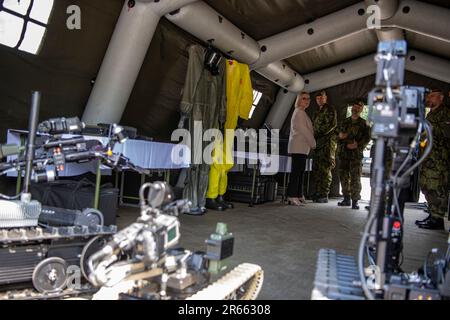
(324, 160)
(350, 161)
(434, 174)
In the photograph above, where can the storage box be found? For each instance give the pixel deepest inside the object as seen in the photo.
(78, 195)
(240, 188)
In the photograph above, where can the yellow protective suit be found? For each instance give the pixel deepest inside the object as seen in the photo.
(239, 103)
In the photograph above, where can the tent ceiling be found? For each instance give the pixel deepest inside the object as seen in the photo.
(345, 50)
(257, 17)
(70, 59)
(428, 45)
(334, 53)
(262, 18)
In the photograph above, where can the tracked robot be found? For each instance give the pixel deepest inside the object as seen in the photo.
(143, 262)
(44, 250)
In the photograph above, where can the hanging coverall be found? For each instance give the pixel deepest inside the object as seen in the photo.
(239, 103)
(203, 101)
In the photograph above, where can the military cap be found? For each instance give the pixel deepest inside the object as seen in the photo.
(321, 93)
(359, 103)
(436, 90)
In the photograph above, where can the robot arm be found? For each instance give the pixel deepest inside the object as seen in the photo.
(101, 264)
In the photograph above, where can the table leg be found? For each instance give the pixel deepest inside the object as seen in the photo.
(142, 179)
(283, 195)
(98, 181)
(122, 182)
(19, 172)
(167, 176)
(253, 186)
(19, 181)
(116, 182)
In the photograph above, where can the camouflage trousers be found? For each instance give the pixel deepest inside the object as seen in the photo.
(434, 184)
(350, 171)
(323, 163)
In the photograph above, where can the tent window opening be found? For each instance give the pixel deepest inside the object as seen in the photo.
(23, 23)
(256, 98)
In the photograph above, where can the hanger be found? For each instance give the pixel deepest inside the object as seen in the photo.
(212, 59)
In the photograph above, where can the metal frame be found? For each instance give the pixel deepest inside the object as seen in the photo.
(417, 62)
(126, 54)
(124, 58)
(122, 196)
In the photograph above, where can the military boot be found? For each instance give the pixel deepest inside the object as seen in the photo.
(345, 202)
(355, 205)
(198, 211)
(321, 200)
(424, 220)
(213, 204)
(434, 223)
(224, 203)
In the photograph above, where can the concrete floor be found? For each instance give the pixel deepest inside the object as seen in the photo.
(284, 240)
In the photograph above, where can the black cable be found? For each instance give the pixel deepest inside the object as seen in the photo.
(17, 196)
(402, 259)
(426, 153)
(362, 246)
(425, 265)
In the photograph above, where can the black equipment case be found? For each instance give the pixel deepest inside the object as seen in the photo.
(240, 188)
(78, 195)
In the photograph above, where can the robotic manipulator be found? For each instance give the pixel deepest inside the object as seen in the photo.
(397, 113)
(53, 150)
(52, 238)
(143, 262)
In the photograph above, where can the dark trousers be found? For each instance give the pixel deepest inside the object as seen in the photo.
(295, 188)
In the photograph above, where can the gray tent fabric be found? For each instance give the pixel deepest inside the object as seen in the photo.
(335, 53)
(70, 59)
(261, 18)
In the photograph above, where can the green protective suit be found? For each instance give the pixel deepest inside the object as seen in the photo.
(350, 161)
(239, 103)
(324, 156)
(204, 100)
(434, 172)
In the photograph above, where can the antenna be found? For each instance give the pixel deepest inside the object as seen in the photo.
(32, 127)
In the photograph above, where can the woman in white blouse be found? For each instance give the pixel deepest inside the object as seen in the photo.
(301, 141)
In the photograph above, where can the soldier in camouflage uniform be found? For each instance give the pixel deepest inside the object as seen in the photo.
(354, 135)
(324, 125)
(434, 172)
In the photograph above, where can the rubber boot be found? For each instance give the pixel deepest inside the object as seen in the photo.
(213, 204)
(198, 211)
(224, 203)
(424, 220)
(345, 202)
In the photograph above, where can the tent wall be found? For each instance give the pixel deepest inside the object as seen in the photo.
(70, 60)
